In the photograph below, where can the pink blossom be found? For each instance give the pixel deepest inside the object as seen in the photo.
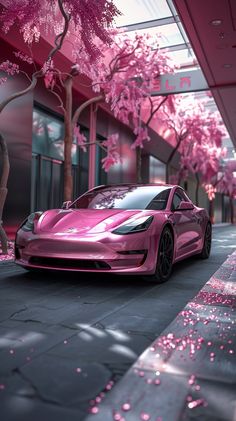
(88, 19)
(126, 74)
(49, 75)
(210, 190)
(23, 57)
(198, 135)
(227, 182)
(111, 141)
(48, 66)
(113, 156)
(3, 80)
(49, 80)
(80, 138)
(142, 135)
(10, 68)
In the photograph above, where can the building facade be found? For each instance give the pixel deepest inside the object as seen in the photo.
(33, 128)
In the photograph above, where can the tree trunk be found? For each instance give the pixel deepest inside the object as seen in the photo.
(197, 189)
(179, 180)
(139, 164)
(167, 172)
(211, 211)
(93, 146)
(231, 201)
(73, 122)
(3, 190)
(68, 140)
(171, 158)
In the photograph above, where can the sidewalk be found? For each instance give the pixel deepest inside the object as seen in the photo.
(189, 372)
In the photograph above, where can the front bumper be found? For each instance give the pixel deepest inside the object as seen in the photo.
(135, 253)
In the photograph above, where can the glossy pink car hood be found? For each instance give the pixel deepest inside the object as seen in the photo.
(84, 220)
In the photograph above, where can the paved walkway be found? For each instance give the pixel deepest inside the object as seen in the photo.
(189, 372)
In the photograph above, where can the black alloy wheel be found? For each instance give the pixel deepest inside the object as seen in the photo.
(205, 253)
(165, 257)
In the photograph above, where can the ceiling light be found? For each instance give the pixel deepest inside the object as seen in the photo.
(216, 22)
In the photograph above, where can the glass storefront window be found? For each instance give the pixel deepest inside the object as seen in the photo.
(157, 170)
(48, 137)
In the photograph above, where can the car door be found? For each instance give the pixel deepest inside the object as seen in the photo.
(186, 225)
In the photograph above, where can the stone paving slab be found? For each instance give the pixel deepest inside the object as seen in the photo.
(22, 345)
(64, 381)
(20, 408)
(189, 372)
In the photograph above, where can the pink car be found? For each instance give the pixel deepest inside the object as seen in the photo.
(123, 229)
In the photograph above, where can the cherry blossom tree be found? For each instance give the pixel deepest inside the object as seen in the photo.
(122, 78)
(223, 182)
(227, 185)
(188, 124)
(61, 19)
(201, 152)
(211, 189)
(197, 135)
(203, 161)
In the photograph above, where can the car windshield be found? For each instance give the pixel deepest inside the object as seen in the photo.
(124, 197)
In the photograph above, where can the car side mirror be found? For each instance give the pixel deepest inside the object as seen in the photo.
(185, 206)
(66, 205)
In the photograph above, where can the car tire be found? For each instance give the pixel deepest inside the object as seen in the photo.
(32, 270)
(164, 258)
(206, 249)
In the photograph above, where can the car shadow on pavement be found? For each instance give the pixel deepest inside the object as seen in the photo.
(69, 278)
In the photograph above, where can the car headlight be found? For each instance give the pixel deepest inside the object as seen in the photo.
(134, 225)
(28, 223)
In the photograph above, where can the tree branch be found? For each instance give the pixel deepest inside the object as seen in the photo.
(60, 37)
(79, 110)
(154, 111)
(96, 143)
(58, 44)
(32, 85)
(59, 99)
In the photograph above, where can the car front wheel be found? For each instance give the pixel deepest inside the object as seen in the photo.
(206, 249)
(164, 258)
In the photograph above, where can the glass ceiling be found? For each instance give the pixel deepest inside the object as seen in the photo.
(157, 17)
(160, 17)
(138, 11)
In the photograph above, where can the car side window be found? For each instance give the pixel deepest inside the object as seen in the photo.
(160, 201)
(179, 196)
(185, 197)
(176, 201)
